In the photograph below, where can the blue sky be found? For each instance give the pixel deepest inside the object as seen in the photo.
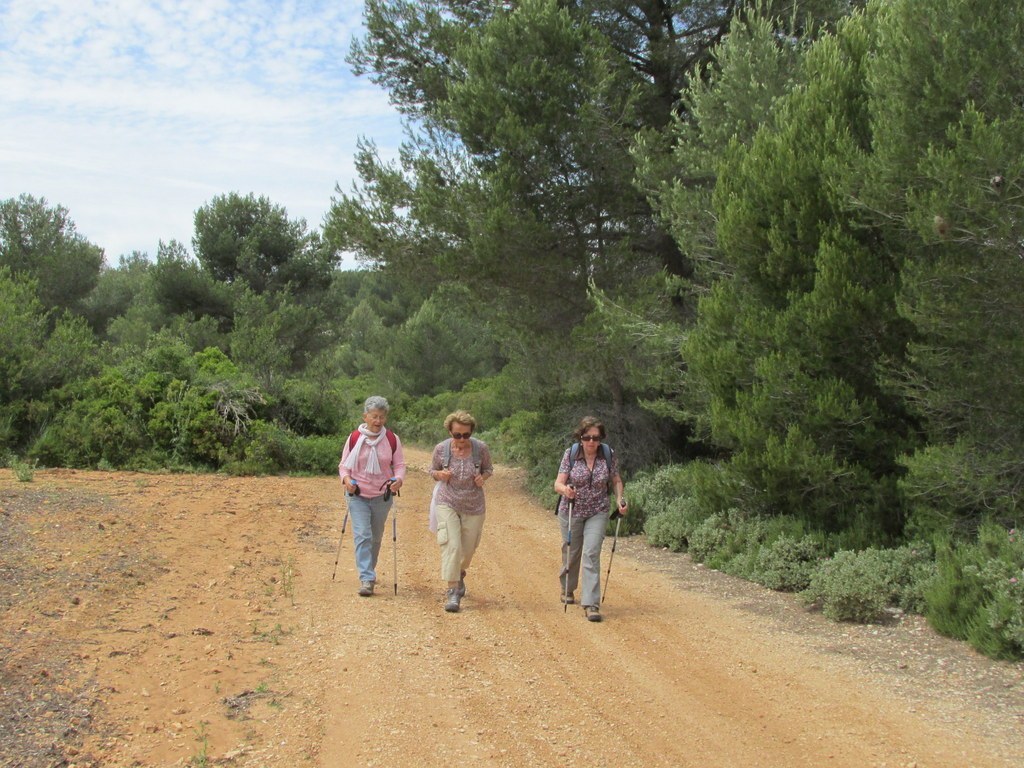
(134, 114)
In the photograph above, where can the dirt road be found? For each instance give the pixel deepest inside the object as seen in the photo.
(154, 620)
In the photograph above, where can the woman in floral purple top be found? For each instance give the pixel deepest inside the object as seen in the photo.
(588, 485)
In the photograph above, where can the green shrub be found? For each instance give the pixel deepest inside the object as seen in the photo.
(851, 586)
(266, 451)
(525, 441)
(787, 563)
(318, 455)
(911, 570)
(88, 432)
(859, 586)
(652, 492)
(23, 470)
(672, 527)
(976, 594)
(711, 541)
(952, 488)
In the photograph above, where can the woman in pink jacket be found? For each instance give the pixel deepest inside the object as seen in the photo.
(371, 460)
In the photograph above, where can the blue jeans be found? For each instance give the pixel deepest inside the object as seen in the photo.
(368, 519)
(583, 547)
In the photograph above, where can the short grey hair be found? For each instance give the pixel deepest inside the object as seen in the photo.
(376, 403)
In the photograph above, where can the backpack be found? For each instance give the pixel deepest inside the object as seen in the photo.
(392, 440)
(475, 444)
(574, 455)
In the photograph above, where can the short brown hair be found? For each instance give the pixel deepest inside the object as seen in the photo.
(589, 422)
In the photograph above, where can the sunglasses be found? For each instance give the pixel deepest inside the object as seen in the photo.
(462, 435)
(590, 439)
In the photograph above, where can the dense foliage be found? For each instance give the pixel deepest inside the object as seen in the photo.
(778, 249)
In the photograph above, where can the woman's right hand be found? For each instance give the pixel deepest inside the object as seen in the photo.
(444, 475)
(568, 491)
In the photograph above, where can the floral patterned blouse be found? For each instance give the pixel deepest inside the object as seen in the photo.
(592, 497)
(461, 493)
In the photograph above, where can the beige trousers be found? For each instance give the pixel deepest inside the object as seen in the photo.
(458, 535)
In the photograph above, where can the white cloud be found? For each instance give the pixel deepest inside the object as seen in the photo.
(134, 114)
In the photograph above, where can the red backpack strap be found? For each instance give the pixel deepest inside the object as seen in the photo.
(392, 439)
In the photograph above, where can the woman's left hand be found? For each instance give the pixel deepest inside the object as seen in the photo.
(480, 480)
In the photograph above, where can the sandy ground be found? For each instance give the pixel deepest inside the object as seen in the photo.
(170, 620)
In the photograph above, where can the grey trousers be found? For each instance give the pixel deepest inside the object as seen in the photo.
(583, 548)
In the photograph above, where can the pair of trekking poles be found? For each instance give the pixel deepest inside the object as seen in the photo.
(617, 517)
(394, 530)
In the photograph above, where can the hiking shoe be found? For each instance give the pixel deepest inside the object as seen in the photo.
(365, 588)
(462, 584)
(452, 603)
(569, 599)
(592, 612)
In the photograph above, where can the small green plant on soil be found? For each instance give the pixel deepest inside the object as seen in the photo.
(288, 579)
(23, 471)
(201, 758)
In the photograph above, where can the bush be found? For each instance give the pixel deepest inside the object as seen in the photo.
(23, 470)
(317, 455)
(730, 541)
(977, 595)
(656, 492)
(851, 586)
(859, 586)
(90, 432)
(951, 490)
(711, 536)
(266, 451)
(673, 527)
(911, 570)
(653, 492)
(787, 563)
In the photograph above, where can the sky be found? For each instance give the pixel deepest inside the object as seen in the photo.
(133, 114)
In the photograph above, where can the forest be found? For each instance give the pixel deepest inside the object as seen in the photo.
(777, 247)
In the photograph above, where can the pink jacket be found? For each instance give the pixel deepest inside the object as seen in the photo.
(391, 465)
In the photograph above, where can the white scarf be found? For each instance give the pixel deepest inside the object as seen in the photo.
(372, 461)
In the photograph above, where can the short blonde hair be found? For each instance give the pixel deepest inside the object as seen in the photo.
(459, 417)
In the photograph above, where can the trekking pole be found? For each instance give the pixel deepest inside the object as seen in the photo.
(568, 554)
(355, 492)
(394, 529)
(618, 522)
(337, 557)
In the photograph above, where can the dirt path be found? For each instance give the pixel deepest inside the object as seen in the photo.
(192, 620)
